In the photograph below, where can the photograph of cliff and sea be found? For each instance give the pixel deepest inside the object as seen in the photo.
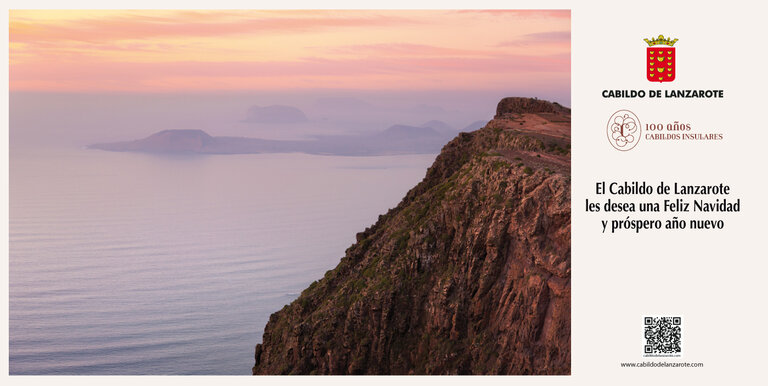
(274, 192)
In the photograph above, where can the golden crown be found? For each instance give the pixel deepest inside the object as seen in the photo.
(660, 40)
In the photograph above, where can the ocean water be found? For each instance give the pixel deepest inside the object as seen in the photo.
(125, 263)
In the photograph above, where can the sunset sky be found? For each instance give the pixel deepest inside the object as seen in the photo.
(182, 51)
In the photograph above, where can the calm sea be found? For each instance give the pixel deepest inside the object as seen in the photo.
(126, 263)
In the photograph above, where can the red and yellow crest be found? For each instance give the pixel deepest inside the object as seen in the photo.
(660, 59)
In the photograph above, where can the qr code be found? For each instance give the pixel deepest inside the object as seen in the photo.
(663, 336)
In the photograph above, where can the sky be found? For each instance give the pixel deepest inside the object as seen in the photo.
(171, 51)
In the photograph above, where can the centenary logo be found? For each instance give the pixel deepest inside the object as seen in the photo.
(660, 59)
(624, 130)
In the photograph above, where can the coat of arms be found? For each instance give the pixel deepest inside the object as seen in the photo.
(660, 59)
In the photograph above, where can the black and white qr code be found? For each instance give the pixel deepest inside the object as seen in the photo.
(663, 335)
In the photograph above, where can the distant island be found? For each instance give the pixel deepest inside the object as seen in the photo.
(397, 139)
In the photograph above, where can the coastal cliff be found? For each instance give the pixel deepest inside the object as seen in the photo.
(469, 274)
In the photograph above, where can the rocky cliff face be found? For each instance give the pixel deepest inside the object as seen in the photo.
(469, 274)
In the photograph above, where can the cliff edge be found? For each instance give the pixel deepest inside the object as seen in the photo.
(469, 274)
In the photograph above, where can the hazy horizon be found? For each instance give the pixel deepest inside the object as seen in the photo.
(78, 119)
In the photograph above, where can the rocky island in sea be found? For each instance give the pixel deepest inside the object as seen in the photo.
(397, 139)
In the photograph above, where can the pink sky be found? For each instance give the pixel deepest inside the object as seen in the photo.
(169, 51)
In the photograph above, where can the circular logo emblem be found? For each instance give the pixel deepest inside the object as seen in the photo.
(624, 130)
